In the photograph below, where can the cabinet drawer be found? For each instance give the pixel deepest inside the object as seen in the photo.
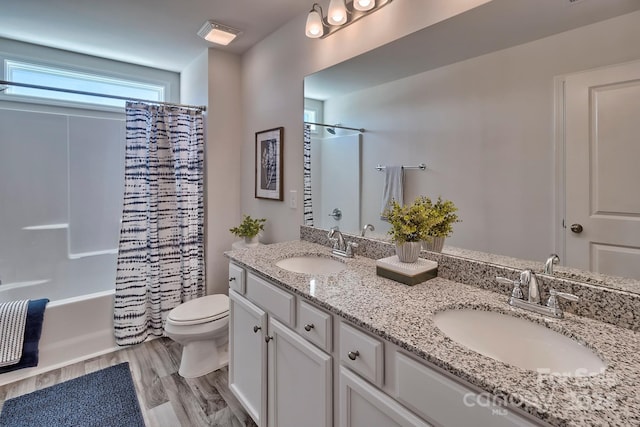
(443, 401)
(236, 278)
(362, 353)
(276, 301)
(314, 325)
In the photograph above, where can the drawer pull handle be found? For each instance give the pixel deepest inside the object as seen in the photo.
(267, 338)
(256, 329)
(308, 327)
(353, 355)
(231, 279)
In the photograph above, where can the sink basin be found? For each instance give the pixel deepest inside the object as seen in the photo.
(312, 265)
(518, 342)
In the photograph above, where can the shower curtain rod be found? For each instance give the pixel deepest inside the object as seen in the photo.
(361, 130)
(100, 95)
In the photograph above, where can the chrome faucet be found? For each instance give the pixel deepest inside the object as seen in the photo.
(369, 227)
(340, 247)
(532, 302)
(551, 261)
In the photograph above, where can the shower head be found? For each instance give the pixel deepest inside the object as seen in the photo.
(332, 130)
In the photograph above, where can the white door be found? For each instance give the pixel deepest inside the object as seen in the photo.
(602, 170)
(300, 381)
(362, 405)
(248, 356)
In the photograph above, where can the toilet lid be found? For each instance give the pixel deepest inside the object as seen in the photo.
(210, 307)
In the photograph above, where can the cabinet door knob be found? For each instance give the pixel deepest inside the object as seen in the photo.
(308, 327)
(256, 329)
(231, 279)
(353, 354)
(267, 338)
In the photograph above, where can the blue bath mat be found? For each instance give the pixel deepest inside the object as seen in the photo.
(106, 398)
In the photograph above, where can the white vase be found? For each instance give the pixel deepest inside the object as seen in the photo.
(408, 251)
(251, 242)
(434, 244)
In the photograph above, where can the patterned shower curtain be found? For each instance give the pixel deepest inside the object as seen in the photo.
(161, 251)
(306, 152)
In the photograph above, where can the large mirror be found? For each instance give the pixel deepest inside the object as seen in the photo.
(525, 114)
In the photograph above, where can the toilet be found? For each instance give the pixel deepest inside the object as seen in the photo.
(202, 327)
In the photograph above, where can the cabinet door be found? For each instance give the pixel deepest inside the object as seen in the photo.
(248, 356)
(362, 405)
(300, 380)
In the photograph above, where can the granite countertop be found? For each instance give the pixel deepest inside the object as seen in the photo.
(404, 316)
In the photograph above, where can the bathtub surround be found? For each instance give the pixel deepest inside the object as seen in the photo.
(106, 397)
(161, 250)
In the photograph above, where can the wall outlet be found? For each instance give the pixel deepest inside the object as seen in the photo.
(293, 199)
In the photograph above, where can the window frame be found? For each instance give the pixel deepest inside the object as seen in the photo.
(84, 74)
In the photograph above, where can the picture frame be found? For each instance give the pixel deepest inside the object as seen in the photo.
(268, 164)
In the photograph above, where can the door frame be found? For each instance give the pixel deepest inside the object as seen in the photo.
(559, 146)
(559, 142)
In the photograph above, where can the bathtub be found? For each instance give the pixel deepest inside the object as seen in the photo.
(74, 329)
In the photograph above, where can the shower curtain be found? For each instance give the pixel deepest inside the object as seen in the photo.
(161, 250)
(308, 205)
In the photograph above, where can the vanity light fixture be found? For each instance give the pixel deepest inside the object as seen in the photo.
(339, 15)
(218, 33)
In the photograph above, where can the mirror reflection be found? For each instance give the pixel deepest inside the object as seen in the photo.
(526, 124)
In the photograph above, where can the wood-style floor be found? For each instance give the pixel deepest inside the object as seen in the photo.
(166, 399)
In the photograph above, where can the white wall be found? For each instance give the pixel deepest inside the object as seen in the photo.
(272, 80)
(485, 129)
(213, 79)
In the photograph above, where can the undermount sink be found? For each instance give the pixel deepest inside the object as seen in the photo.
(518, 342)
(312, 265)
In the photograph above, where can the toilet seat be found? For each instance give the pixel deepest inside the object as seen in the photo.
(200, 310)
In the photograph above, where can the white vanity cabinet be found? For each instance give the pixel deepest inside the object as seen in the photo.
(248, 356)
(300, 380)
(293, 364)
(281, 378)
(362, 405)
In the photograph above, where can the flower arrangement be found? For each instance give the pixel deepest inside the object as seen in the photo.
(249, 227)
(411, 223)
(445, 213)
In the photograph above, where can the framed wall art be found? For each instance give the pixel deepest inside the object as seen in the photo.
(269, 164)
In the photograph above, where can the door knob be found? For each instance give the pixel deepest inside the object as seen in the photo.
(577, 228)
(256, 329)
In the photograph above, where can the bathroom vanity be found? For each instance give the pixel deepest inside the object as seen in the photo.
(354, 349)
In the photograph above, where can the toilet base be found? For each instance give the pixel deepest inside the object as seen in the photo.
(201, 358)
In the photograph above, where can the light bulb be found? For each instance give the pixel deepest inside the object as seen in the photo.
(314, 28)
(363, 4)
(337, 14)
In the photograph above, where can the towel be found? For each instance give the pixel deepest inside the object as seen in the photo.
(13, 319)
(32, 333)
(393, 188)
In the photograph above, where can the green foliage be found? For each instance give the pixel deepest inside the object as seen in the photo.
(249, 227)
(410, 223)
(445, 211)
(421, 220)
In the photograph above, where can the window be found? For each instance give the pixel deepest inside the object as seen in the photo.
(41, 75)
(310, 116)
